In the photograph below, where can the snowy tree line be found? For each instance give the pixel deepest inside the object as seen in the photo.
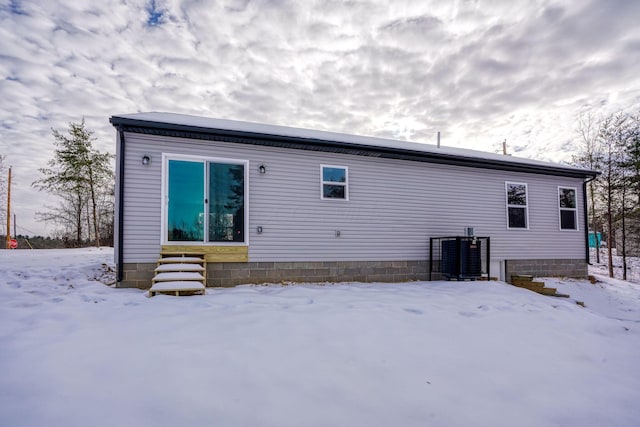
(610, 144)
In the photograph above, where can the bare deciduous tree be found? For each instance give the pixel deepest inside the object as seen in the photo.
(612, 130)
(590, 157)
(611, 145)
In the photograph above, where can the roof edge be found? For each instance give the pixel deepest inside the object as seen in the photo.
(318, 144)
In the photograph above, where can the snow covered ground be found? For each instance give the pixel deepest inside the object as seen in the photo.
(602, 268)
(75, 352)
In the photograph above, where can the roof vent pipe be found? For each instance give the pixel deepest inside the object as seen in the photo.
(438, 139)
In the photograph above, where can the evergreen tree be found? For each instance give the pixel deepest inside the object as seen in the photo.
(78, 174)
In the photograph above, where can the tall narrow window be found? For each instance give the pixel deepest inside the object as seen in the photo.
(335, 182)
(568, 210)
(517, 207)
(205, 201)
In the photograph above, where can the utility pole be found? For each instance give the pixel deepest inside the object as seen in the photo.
(8, 243)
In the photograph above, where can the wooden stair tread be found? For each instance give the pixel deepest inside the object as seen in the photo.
(528, 285)
(185, 259)
(179, 267)
(179, 276)
(177, 285)
(524, 277)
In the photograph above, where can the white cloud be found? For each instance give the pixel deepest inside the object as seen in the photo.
(479, 71)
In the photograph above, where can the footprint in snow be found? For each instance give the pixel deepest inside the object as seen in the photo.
(26, 305)
(86, 298)
(413, 310)
(469, 314)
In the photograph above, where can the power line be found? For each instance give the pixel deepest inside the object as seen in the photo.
(31, 232)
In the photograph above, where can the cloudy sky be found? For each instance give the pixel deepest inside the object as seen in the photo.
(478, 71)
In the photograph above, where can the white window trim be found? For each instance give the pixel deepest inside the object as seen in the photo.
(575, 191)
(345, 184)
(164, 199)
(525, 207)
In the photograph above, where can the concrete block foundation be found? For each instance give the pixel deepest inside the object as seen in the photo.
(576, 268)
(225, 274)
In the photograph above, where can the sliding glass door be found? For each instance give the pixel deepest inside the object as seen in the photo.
(215, 187)
(185, 210)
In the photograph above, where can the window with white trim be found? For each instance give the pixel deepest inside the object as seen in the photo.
(568, 209)
(517, 205)
(335, 182)
(204, 200)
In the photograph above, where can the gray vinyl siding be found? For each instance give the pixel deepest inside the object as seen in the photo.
(394, 206)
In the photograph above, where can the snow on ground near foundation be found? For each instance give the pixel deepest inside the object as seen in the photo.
(74, 352)
(602, 268)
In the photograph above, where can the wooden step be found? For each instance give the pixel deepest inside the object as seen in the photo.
(179, 267)
(523, 277)
(178, 276)
(547, 291)
(177, 287)
(529, 285)
(180, 273)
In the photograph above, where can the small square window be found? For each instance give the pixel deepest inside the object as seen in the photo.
(335, 182)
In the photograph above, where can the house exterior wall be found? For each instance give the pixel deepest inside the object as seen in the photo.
(394, 206)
